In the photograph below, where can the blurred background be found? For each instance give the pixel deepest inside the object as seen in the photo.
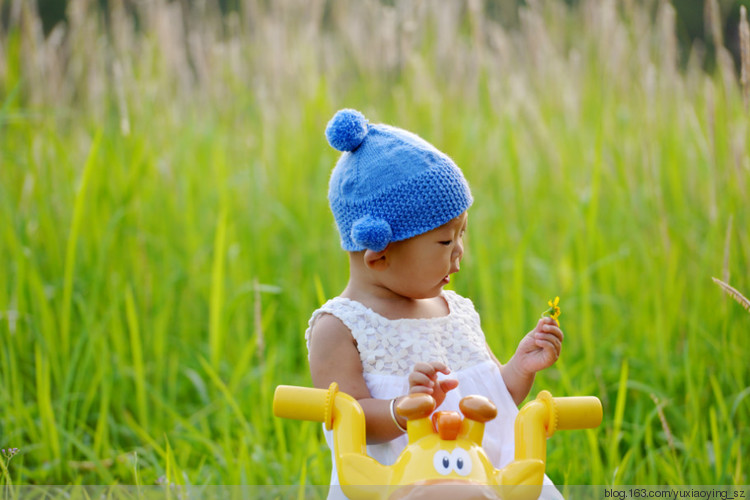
(165, 233)
(696, 19)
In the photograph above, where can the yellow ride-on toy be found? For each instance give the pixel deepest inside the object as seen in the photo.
(444, 457)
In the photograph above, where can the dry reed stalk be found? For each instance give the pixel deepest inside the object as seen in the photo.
(712, 20)
(15, 12)
(713, 28)
(107, 463)
(3, 62)
(734, 293)
(664, 423)
(710, 118)
(745, 56)
(741, 160)
(668, 34)
(171, 33)
(32, 40)
(476, 15)
(122, 104)
(713, 210)
(258, 320)
(727, 239)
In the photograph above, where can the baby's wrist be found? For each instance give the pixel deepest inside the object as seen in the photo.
(518, 371)
(398, 420)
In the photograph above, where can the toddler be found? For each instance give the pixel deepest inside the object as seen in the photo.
(401, 208)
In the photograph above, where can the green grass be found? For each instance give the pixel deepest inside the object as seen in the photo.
(165, 234)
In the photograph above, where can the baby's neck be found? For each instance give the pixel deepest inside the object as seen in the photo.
(393, 306)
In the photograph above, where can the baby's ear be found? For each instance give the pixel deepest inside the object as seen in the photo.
(376, 260)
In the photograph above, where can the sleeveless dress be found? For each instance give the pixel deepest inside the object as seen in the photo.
(390, 348)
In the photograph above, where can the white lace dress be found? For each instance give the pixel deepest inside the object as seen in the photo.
(390, 348)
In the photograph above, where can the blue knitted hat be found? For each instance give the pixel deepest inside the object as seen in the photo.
(389, 184)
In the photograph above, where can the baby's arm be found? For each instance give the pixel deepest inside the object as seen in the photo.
(538, 350)
(334, 358)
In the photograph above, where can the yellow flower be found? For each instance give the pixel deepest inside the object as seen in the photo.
(553, 311)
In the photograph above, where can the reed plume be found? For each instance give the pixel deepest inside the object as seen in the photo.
(734, 293)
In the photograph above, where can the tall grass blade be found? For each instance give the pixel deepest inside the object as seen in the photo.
(101, 431)
(616, 437)
(716, 447)
(227, 396)
(136, 350)
(46, 408)
(70, 251)
(145, 436)
(740, 474)
(302, 482)
(320, 295)
(216, 325)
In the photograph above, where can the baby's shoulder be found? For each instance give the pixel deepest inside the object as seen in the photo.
(345, 310)
(327, 329)
(456, 301)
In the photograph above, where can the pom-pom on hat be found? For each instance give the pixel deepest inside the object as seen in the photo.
(389, 184)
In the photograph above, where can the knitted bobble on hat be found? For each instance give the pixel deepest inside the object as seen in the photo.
(346, 130)
(371, 233)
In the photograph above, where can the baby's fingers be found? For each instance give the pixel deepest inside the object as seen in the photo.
(551, 328)
(448, 385)
(548, 342)
(419, 382)
(440, 367)
(431, 369)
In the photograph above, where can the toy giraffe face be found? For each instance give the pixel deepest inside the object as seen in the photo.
(444, 448)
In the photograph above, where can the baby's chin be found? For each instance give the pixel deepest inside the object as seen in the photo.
(423, 292)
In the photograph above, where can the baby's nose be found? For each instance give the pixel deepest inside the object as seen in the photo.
(458, 252)
(456, 262)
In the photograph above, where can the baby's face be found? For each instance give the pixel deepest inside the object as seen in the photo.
(421, 266)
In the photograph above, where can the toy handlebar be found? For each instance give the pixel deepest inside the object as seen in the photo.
(327, 406)
(542, 417)
(304, 403)
(580, 412)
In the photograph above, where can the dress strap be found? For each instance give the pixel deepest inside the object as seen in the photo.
(349, 312)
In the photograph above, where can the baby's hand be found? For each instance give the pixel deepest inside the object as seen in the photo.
(540, 348)
(423, 378)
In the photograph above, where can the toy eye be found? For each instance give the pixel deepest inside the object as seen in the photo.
(442, 462)
(461, 462)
